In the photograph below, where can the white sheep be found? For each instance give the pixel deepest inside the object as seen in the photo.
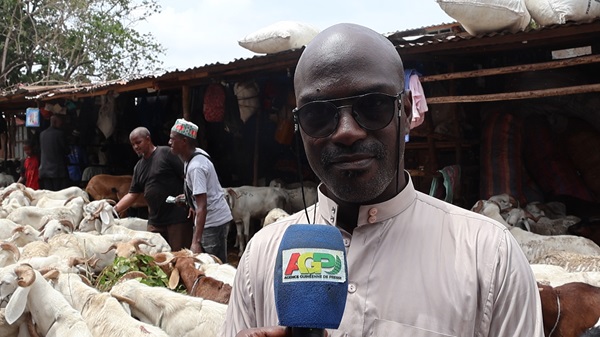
(23, 235)
(535, 246)
(9, 254)
(32, 215)
(274, 215)
(177, 314)
(103, 314)
(14, 197)
(6, 229)
(570, 261)
(491, 209)
(222, 272)
(35, 249)
(85, 246)
(64, 194)
(51, 312)
(101, 219)
(556, 275)
(137, 224)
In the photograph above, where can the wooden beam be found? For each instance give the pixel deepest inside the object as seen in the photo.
(185, 102)
(513, 69)
(507, 96)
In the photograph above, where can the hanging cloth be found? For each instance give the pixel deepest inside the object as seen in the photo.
(413, 86)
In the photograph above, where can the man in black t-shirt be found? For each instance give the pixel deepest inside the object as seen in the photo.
(159, 174)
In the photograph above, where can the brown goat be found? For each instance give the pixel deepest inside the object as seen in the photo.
(106, 186)
(570, 309)
(196, 283)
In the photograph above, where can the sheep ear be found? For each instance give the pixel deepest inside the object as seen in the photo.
(105, 217)
(98, 225)
(174, 279)
(16, 304)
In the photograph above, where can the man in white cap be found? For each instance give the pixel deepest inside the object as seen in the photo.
(204, 194)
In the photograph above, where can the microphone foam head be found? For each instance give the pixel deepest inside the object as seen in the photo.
(311, 277)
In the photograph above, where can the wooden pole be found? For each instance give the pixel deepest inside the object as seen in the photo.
(508, 96)
(513, 69)
(185, 102)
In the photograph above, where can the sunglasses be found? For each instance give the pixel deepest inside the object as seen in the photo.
(372, 111)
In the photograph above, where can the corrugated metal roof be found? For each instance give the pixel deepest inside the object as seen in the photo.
(411, 40)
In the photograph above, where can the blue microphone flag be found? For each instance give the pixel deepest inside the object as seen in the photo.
(311, 277)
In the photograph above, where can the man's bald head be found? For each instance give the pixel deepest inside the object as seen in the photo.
(342, 54)
(139, 132)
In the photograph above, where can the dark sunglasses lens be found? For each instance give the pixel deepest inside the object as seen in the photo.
(374, 111)
(318, 119)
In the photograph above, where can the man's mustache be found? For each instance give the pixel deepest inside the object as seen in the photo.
(329, 155)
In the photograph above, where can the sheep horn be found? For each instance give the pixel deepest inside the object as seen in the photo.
(124, 299)
(85, 280)
(113, 246)
(137, 242)
(44, 221)
(18, 229)
(217, 260)
(51, 274)
(69, 200)
(27, 195)
(12, 248)
(167, 260)
(132, 275)
(25, 275)
(96, 213)
(110, 202)
(67, 223)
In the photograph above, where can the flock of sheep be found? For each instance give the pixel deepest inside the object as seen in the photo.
(564, 255)
(50, 240)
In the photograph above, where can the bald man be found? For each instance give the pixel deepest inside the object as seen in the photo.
(417, 266)
(158, 174)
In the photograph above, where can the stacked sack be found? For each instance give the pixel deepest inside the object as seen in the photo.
(486, 16)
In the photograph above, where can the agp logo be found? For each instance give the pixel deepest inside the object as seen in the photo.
(306, 264)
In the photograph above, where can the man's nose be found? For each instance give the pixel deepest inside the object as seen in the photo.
(348, 130)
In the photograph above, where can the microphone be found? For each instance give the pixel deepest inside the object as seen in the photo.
(311, 279)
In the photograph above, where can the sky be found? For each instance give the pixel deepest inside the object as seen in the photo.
(200, 32)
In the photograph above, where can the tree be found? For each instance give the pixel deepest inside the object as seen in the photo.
(49, 41)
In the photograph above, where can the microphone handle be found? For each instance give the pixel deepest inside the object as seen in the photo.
(308, 332)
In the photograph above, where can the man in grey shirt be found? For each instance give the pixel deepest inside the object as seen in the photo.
(203, 191)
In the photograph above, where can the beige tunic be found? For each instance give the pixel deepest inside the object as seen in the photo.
(417, 267)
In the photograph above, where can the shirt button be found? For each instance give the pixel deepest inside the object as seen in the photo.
(372, 219)
(351, 288)
(346, 242)
(373, 211)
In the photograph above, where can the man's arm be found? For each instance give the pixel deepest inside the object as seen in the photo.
(516, 301)
(199, 222)
(125, 202)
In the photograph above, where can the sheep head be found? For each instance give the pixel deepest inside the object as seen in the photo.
(10, 247)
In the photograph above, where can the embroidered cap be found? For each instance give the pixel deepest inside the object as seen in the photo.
(185, 128)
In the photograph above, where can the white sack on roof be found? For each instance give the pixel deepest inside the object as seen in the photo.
(280, 36)
(487, 16)
(549, 12)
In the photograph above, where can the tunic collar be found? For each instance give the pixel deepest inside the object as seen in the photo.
(368, 214)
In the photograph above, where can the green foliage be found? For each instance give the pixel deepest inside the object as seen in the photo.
(155, 276)
(75, 41)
